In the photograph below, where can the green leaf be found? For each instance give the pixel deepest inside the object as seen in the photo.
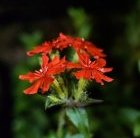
(51, 135)
(130, 115)
(30, 40)
(136, 129)
(81, 21)
(79, 118)
(74, 136)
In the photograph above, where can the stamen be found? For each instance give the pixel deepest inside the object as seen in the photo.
(83, 39)
(41, 70)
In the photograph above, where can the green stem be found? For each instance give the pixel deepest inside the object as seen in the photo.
(61, 122)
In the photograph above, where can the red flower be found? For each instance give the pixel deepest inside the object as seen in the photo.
(63, 41)
(77, 43)
(44, 48)
(91, 70)
(43, 78)
(90, 48)
(93, 50)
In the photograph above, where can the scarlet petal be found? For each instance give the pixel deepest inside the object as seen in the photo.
(83, 74)
(29, 76)
(46, 84)
(34, 88)
(62, 36)
(106, 69)
(62, 41)
(45, 60)
(56, 66)
(98, 76)
(71, 65)
(55, 71)
(55, 61)
(44, 48)
(101, 62)
(108, 79)
(84, 58)
(98, 63)
(94, 51)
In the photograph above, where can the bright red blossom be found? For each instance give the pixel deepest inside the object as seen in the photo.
(43, 78)
(85, 68)
(63, 41)
(91, 70)
(43, 48)
(88, 47)
(77, 43)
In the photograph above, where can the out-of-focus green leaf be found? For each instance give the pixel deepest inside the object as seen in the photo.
(130, 115)
(51, 135)
(30, 40)
(74, 136)
(79, 118)
(81, 22)
(136, 128)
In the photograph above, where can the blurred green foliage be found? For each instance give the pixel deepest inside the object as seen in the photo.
(81, 22)
(29, 118)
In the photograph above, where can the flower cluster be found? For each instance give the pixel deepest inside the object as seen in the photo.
(90, 64)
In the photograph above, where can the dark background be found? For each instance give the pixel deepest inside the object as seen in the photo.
(24, 11)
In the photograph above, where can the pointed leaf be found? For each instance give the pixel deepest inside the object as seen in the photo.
(79, 118)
